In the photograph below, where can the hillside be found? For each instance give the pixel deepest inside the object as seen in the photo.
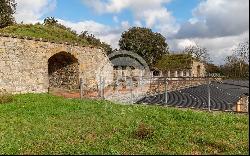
(50, 33)
(45, 124)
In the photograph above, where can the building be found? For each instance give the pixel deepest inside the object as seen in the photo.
(180, 65)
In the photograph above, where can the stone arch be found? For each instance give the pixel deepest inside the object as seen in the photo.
(63, 71)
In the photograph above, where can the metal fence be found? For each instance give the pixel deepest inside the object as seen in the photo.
(183, 92)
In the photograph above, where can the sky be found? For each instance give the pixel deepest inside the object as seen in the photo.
(218, 25)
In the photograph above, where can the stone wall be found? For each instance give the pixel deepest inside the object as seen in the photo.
(128, 73)
(24, 64)
(242, 104)
(195, 66)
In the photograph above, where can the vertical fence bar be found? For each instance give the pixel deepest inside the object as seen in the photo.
(158, 85)
(166, 91)
(209, 94)
(81, 88)
(100, 87)
(150, 83)
(103, 88)
(131, 90)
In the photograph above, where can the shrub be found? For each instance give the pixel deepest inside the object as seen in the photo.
(5, 97)
(144, 131)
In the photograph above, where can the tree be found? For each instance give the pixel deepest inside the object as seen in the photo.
(235, 67)
(242, 51)
(213, 69)
(237, 64)
(242, 54)
(149, 45)
(50, 21)
(198, 52)
(7, 9)
(94, 41)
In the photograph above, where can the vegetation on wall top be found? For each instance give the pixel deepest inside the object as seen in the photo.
(53, 31)
(50, 33)
(175, 62)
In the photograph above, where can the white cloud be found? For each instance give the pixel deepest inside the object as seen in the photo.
(151, 12)
(218, 48)
(29, 11)
(116, 6)
(105, 33)
(218, 25)
(216, 18)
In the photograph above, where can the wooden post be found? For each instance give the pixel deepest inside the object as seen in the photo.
(158, 85)
(131, 89)
(100, 87)
(103, 88)
(81, 88)
(166, 91)
(209, 95)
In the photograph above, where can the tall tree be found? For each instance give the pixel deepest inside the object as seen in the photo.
(149, 45)
(7, 9)
(213, 69)
(198, 52)
(237, 64)
(242, 54)
(242, 51)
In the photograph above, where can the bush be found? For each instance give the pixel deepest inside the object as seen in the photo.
(144, 131)
(5, 97)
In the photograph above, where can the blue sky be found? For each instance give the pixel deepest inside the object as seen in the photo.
(218, 25)
(75, 10)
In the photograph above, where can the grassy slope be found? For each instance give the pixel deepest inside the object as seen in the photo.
(46, 32)
(43, 124)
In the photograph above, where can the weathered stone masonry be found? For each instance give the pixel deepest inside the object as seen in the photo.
(24, 65)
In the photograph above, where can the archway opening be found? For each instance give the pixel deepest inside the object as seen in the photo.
(63, 69)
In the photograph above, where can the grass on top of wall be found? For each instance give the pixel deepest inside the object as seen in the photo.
(50, 33)
(45, 124)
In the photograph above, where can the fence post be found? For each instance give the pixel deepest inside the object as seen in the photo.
(166, 91)
(209, 95)
(100, 87)
(103, 88)
(81, 88)
(131, 89)
(158, 85)
(150, 81)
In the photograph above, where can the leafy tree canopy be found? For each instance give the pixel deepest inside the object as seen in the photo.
(149, 45)
(7, 9)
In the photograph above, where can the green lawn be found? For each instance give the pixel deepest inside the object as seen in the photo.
(44, 124)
